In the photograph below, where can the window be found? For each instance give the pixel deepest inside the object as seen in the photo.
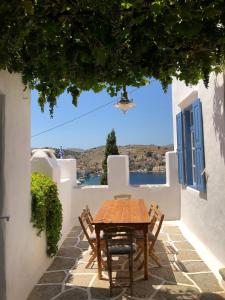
(190, 147)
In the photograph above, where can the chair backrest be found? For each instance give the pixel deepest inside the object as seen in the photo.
(153, 207)
(122, 196)
(89, 218)
(89, 212)
(85, 224)
(158, 218)
(119, 236)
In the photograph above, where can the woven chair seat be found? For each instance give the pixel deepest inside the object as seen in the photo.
(120, 250)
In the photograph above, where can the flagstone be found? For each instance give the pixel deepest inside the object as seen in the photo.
(176, 237)
(164, 258)
(211, 296)
(61, 263)
(171, 229)
(188, 255)
(44, 292)
(53, 277)
(206, 281)
(176, 292)
(81, 268)
(170, 274)
(83, 245)
(183, 246)
(160, 246)
(69, 242)
(70, 252)
(146, 288)
(192, 266)
(163, 236)
(73, 294)
(100, 289)
(76, 230)
(81, 280)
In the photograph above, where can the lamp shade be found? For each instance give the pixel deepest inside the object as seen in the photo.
(124, 104)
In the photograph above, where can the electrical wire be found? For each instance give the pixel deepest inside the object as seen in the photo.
(79, 117)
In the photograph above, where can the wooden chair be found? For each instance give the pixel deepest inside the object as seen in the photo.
(153, 206)
(122, 196)
(91, 237)
(89, 218)
(158, 218)
(89, 212)
(119, 240)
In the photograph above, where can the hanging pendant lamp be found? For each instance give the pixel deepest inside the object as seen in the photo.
(124, 104)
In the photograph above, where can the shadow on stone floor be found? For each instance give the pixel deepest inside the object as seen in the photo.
(183, 275)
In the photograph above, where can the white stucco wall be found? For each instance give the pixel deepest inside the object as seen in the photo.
(25, 252)
(204, 215)
(118, 171)
(21, 242)
(44, 161)
(167, 195)
(68, 169)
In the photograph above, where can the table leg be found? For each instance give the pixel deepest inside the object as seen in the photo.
(97, 232)
(145, 231)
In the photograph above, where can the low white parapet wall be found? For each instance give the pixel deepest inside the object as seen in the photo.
(167, 195)
(44, 161)
(74, 198)
(68, 168)
(118, 171)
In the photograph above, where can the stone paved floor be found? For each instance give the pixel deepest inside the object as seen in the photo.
(183, 276)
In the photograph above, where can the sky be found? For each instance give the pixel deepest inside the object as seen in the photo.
(150, 122)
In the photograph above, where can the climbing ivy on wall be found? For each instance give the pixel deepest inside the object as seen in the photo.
(46, 210)
(96, 44)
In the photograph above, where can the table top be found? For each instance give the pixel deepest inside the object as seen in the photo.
(122, 211)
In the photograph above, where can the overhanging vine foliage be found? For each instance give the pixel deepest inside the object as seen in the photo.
(46, 210)
(95, 44)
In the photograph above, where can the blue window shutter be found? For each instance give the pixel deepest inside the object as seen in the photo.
(199, 145)
(187, 148)
(180, 148)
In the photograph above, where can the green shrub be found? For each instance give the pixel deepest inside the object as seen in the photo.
(46, 210)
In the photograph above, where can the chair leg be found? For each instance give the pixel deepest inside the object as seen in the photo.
(91, 260)
(103, 263)
(138, 254)
(141, 265)
(131, 273)
(110, 275)
(156, 259)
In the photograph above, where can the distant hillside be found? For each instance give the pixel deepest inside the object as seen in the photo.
(142, 157)
(75, 149)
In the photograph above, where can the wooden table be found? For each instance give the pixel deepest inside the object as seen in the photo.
(122, 212)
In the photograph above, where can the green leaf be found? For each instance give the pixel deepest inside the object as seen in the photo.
(126, 5)
(28, 5)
